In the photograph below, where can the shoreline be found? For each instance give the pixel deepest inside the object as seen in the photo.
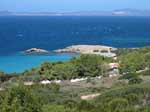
(20, 62)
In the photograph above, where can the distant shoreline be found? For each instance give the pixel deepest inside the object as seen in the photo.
(70, 16)
(115, 12)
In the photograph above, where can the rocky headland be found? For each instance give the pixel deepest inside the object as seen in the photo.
(89, 49)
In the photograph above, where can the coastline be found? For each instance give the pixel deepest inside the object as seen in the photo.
(22, 61)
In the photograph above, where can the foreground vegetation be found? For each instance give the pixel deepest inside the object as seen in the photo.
(133, 98)
(128, 92)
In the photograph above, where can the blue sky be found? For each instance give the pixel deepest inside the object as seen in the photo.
(71, 5)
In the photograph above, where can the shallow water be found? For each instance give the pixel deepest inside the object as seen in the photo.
(19, 63)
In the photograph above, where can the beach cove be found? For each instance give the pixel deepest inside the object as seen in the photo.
(18, 63)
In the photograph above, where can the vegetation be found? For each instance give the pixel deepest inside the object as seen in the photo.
(131, 93)
(132, 62)
(83, 66)
(134, 98)
(135, 80)
(19, 99)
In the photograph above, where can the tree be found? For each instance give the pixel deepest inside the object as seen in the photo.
(64, 71)
(90, 65)
(132, 62)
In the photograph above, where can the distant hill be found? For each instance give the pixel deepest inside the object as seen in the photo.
(120, 12)
(131, 12)
(5, 13)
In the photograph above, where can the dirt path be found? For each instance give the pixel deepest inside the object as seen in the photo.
(90, 97)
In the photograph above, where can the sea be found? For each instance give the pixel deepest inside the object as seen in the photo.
(19, 33)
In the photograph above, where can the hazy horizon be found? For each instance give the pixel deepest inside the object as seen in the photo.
(71, 5)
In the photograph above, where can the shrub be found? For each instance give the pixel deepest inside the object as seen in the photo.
(135, 80)
(118, 104)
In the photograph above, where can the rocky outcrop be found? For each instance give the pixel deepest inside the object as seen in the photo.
(105, 51)
(87, 49)
(36, 51)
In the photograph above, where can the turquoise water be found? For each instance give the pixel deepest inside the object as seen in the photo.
(19, 63)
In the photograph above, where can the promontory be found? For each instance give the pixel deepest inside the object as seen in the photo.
(89, 49)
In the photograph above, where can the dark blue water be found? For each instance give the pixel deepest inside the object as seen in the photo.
(20, 33)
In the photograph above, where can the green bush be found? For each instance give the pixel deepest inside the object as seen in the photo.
(135, 80)
(129, 76)
(118, 104)
(19, 99)
(146, 73)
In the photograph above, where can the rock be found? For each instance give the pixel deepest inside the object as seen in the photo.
(89, 49)
(28, 83)
(36, 51)
(44, 82)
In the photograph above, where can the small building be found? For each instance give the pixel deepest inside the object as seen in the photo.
(113, 65)
(113, 69)
(105, 53)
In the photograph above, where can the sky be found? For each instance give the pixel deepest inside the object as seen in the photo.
(71, 5)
